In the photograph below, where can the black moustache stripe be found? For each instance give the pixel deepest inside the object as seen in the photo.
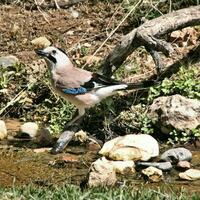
(50, 57)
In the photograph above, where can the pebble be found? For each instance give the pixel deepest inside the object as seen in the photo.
(165, 166)
(29, 128)
(153, 174)
(102, 173)
(177, 154)
(184, 165)
(3, 130)
(41, 42)
(190, 174)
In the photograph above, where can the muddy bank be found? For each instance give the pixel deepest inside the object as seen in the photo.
(21, 166)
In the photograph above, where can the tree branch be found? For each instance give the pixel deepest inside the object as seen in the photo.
(149, 34)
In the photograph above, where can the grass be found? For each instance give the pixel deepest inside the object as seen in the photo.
(74, 193)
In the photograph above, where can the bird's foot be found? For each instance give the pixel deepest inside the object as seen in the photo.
(62, 142)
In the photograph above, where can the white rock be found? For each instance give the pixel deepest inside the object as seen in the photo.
(74, 13)
(41, 42)
(3, 130)
(190, 174)
(131, 147)
(80, 136)
(30, 128)
(176, 112)
(153, 174)
(102, 173)
(9, 60)
(176, 154)
(124, 167)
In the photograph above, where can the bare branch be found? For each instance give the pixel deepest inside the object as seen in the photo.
(149, 34)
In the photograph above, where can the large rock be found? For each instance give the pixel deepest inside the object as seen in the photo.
(131, 147)
(176, 112)
(102, 173)
(3, 130)
(8, 61)
(176, 154)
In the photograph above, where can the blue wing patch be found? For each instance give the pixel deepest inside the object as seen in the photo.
(74, 91)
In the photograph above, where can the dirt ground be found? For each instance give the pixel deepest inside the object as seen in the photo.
(18, 27)
(19, 164)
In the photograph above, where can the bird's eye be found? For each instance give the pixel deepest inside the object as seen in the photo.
(54, 51)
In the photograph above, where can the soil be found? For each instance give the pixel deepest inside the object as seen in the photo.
(19, 164)
(19, 26)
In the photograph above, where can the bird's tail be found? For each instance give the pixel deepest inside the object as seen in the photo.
(141, 85)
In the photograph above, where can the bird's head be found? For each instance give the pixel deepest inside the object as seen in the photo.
(54, 57)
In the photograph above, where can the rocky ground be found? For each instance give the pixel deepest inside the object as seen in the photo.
(79, 30)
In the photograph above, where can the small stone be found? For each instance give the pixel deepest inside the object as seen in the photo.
(41, 150)
(70, 32)
(8, 61)
(165, 166)
(70, 158)
(13, 126)
(74, 13)
(93, 146)
(124, 167)
(102, 173)
(80, 136)
(41, 42)
(190, 174)
(177, 154)
(44, 138)
(3, 130)
(153, 174)
(184, 165)
(29, 128)
(15, 29)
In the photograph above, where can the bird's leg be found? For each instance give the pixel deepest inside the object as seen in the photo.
(76, 119)
(69, 130)
(157, 60)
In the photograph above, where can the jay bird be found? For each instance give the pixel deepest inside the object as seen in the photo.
(82, 88)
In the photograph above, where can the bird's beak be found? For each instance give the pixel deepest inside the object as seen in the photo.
(41, 52)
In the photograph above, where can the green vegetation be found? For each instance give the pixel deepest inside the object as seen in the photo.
(46, 108)
(186, 82)
(74, 193)
(28, 93)
(155, 8)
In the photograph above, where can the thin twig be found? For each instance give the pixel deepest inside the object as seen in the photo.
(112, 18)
(14, 100)
(43, 14)
(57, 6)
